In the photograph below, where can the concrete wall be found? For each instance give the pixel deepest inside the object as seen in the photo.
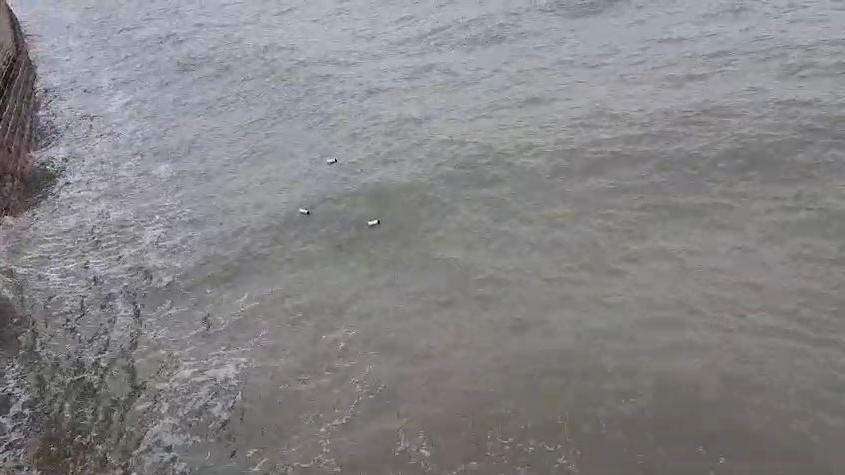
(17, 111)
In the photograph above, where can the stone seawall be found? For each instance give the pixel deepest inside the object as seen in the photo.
(17, 110)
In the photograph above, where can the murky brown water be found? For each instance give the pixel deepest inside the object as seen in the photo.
(611, 238)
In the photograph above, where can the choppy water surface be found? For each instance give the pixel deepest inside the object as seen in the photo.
(611, 240)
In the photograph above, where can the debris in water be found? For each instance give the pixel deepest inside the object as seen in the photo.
(304, 212)
(331, 161)
(373, 222)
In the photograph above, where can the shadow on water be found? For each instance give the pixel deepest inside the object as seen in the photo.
(42, 182)
(86, 415)
(9, 330)
(66, 411)
(45, 173)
